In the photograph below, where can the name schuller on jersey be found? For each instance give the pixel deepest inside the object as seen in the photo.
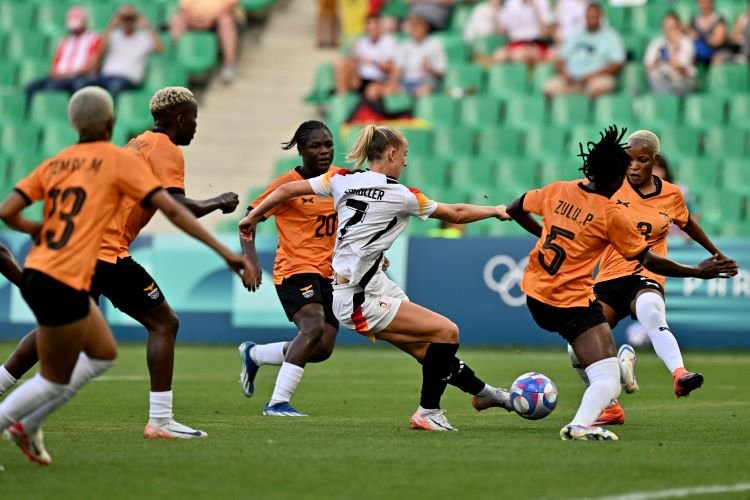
(572, 212)
(372, 193)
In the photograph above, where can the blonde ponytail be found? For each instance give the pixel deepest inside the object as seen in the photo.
(372, 143)
(359, 152)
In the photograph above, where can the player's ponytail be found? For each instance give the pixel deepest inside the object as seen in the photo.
(302, 133)
(372, 143)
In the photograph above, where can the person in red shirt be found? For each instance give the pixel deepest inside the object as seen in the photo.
(579, 222)
(83, 187)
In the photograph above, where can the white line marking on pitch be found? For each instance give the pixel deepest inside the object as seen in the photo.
(679, 492)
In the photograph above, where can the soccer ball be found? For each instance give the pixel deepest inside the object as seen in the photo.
(533, 396)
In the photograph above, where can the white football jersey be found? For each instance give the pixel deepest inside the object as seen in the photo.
(373, 210)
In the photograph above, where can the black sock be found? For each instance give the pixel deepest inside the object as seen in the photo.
(436, 370)
(463, 377)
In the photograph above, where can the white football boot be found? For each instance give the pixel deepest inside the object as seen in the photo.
(572, 432)
(430, 420)
(627, 360)
(170, 430)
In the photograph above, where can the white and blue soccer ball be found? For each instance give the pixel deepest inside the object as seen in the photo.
(533, 396)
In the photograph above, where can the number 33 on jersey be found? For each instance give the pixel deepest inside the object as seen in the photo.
(578, 225)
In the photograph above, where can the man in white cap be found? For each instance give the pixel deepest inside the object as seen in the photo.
(75, 59)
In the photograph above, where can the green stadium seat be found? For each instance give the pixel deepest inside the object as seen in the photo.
(545, 142)
(686, 10)
(20, 138)
(100, 13)
(731, 10)
(425, 171)
(635, 46)
(423, 228)
(566, 169)
(480, 111)
(49, 106)
(646, 19)
(437, 109)
(419, 140)
(16, 15)
(165, 75)
(470, 173)
(615, 108)
(516, 174)
(121, 135)
(460, 17)
(718, 207)
(324, 84)
(340, 107)
(12, 108)
(8, 73)
(467, 78)
(736, 175)
(454, 46)
(22, 45)
(541, 74)
(735, 229)
(56, 137)
(696, 173)
(739, 110)
(704, 111)
(660, 110)
(487, 45)
(618, 18)
(526, 111)
(680, 141)
(197, 51)
(452, 141)
(500, 142)
(506, 80)
(256, 6)
(728, 79)
(32, 69)
(633, 78)
(50, 17)
(133, 112)
(725, 143)
(570, 110)
(153, 12)
(398, 104)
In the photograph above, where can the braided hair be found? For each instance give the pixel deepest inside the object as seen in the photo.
(303, 132)
(607, 159)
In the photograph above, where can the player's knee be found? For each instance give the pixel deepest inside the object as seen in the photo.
(168, 325)
(314, 333)
(449, 333)
(322, 352)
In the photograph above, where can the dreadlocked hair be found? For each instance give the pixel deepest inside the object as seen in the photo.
(303, 132)
(607, 159)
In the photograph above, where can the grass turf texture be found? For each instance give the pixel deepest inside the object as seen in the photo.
(358, 443)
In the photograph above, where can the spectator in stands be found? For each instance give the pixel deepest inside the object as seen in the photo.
(435, 12)
(708, 29)
(126, 44)
(75, 59)
(528, 24)
(371, 60)
(589, 61)
(741, 36)
(669, 59)
(484, 20)
(207, 15)
(420, 61)
(570, 18)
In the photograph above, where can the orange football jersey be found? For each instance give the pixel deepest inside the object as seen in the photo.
(83, 188)
(307, 231)
(652, 215)
(168, 165)
(578, 225)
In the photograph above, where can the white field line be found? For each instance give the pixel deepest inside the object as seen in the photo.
(678, 492)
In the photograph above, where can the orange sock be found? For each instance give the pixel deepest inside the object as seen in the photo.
(679, 372)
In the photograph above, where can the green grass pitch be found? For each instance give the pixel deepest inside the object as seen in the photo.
(357, 443)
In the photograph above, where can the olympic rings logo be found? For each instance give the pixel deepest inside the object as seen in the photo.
(508, 280)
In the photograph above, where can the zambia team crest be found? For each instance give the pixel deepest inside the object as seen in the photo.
(307, 291)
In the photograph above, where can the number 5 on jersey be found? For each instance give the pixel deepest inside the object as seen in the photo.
(557, 250)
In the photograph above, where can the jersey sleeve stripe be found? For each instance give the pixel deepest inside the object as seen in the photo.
(24, 196)
(176, 190)
(146, 201)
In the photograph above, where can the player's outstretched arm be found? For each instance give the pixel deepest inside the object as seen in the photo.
(9, 267)
(693, 229)
(713, 267)
(226, 202)
(464, 213)
(10, 213)
(523, 218)
(279, 195)
(182, 218)
(249, 251)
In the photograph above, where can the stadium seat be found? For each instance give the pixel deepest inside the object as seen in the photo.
(560, 169)
(133, 112)
(704, 111)
(615, 108)
(506, 80)
(697, 174)
(633, 78)
(680, 141)
(660, 110)
(395, 104)
(165, 75)
(480, 111)
(100, 13)
(50, 17)
(460, 17)
(419, 140)
(8, 73)
(487, 45)
(464, 78)
(541, 74)
(437, 109)
(526, 111)
(340, 108)
(22, 45)
(12, 108)
(32, 69)
(646, 19)
(16, 15)
(425, 171)
(452, 141)
(570, 110)
(468, 173)
(324, 84)
(197, 51)
(718, 207)
(725, 143)
(20, 138)
(284, 164)
(49, 106)
(736, 175)
(516, 174)
(635, 46)
(618, 18)
(739, 110)
(57, 136)
(728, 79)
(545, 142)
(500, 142)
(454, 46)
(731, 9)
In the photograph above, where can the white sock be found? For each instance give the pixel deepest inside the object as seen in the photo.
(286, 383)
(268, 354)
(29, 396)
(160, 406)
(488, 393)
(6, 380)
(651, 312)
(577, 366)
(604, 376)
(86, 369)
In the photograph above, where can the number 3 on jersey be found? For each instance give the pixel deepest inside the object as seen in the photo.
(79, 197)
(557, 250)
